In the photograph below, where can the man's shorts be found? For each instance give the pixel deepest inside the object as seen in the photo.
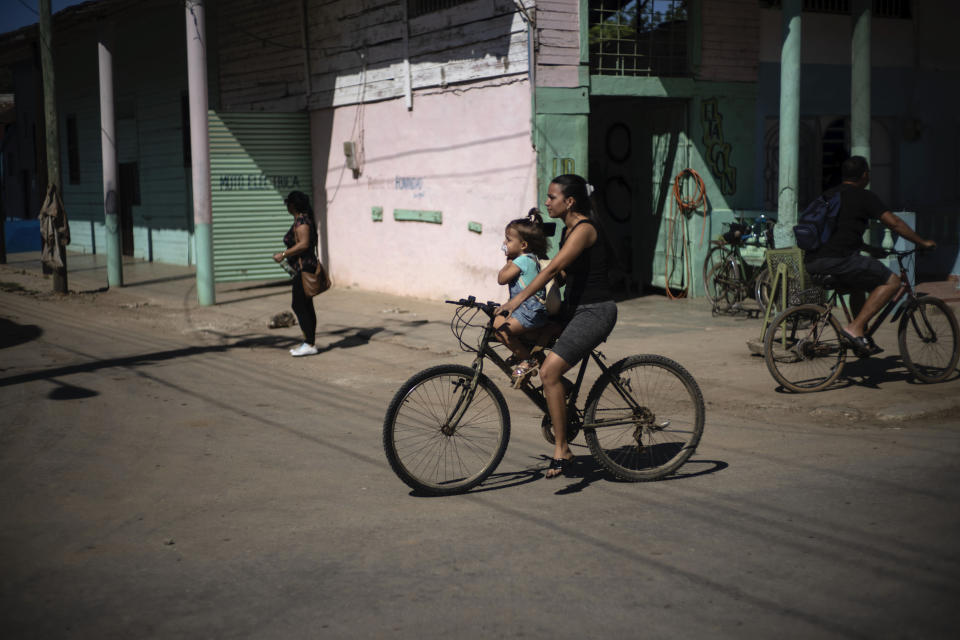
(852, 272)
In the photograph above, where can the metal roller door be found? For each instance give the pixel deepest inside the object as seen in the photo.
(256, 159)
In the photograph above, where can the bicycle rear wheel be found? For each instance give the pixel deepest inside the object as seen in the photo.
(430, 453)
(928, 339)
(644, 418)
(803, 350)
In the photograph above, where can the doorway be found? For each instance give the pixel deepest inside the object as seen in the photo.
(129, 193)
(637, 146)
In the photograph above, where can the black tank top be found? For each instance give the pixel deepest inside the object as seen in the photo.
(587, 275)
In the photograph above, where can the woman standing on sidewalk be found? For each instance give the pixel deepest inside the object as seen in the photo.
(588, 307)
(301, 254)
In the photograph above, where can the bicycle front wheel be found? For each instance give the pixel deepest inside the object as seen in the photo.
(803, 350)
(716, 256)
(762, 286)
(440, 436)
(644, 418)
(928, 339)
(727, 285)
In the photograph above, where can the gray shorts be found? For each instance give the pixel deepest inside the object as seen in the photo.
(589, 326)
(852, 272)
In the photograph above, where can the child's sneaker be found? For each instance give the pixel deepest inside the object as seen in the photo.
(524, 371)
(304, 350)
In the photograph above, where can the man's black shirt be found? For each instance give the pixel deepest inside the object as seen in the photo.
(857, 207)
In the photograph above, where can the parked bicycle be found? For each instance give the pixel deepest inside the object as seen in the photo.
(804, 351)
(447, 427)
(728, 279)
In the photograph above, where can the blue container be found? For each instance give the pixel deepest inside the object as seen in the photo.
(22, 235)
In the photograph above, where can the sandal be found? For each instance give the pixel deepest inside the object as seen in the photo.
(561, 465)
(524, 371)
(861, 346)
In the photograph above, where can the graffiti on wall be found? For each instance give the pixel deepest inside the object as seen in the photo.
(718, 151)
(257, 182)
(405, 183)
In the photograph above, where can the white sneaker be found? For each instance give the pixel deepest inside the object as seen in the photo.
(304, 350)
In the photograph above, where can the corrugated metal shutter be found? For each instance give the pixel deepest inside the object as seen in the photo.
(256, 159)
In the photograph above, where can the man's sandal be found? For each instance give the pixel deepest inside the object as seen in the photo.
(862, 346)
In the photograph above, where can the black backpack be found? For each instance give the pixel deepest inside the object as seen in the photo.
(817, 222)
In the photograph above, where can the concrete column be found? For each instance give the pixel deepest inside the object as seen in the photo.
(108, 152)
(789, 175)
(200, 149)
(860, 66)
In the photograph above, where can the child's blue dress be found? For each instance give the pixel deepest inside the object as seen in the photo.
(531, 314)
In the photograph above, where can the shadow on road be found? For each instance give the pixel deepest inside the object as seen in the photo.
(12, 333)
(872, 373)
(64, 391)
(585, 471)
(588, 470)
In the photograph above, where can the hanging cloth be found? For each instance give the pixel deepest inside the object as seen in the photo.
(54, 228)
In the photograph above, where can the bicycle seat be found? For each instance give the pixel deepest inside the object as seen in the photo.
(825, 280)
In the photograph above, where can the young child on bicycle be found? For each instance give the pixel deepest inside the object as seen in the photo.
(524, 242)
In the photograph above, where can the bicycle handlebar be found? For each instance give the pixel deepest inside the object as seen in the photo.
(487, 307)
(881, 252)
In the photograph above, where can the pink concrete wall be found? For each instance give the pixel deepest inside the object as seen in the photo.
(466, 153)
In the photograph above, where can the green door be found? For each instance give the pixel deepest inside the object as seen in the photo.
(256, 159)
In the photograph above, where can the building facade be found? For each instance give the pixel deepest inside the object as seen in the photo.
(421, 127)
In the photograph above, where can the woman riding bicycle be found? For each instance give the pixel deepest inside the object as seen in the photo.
(589, 312)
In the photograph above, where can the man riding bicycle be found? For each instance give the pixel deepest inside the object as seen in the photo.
(840, 256)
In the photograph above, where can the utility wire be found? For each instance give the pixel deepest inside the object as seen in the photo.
(28, 7)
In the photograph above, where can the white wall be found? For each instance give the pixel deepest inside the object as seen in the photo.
(466, 153)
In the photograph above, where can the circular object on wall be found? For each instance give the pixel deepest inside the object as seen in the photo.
(618, 142)
(618, 198)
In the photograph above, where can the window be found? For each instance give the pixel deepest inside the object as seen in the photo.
(73, 150)
(420, 7)
(638, 37)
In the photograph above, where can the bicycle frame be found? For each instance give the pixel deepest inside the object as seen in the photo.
(905, 289)
(536, 396)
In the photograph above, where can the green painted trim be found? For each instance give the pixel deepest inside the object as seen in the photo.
(203, 237)
(669, 87)
(584, 17)
(114, 252)
(642, 87)
(561, 100)
(476, 227)
(414, 215)
(583, 75)
(377, 214)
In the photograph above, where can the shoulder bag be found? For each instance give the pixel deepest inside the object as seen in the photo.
(317, 282)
